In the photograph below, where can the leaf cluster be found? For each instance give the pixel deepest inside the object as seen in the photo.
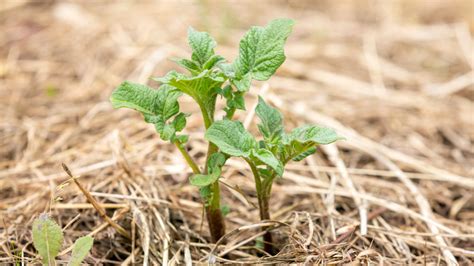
(277, 146)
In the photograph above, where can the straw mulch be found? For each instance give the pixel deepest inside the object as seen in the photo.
(394, 77)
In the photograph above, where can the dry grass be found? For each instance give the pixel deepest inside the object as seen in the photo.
(394, 77)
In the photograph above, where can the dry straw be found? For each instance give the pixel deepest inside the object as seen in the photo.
(394, 78)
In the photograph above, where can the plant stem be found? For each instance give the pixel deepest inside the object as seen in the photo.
(211, 149)
(213, 211)
(214, 215)
(263, 196)
(256, 176)
(187, 157)
(263, 202)
(206, 116)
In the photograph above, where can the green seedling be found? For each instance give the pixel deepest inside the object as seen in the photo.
(48, 238)
(210, 76)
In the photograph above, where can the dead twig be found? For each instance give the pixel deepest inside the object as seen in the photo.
(96, 205)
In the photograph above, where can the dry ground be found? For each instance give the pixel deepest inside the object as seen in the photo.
(394, 77)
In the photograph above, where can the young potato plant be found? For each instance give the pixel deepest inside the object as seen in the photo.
(210, 76)
(48, 238)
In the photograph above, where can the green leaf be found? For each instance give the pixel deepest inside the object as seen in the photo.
(269, 159)
(225, 209)
(231, 138)
(301, 141)
(47, 238)
(213, 61)
(259, 243)
(236, 102)
(135, 96)
(227, 69)
(181, 138)
(227, 92)
(201, 180)
(313, 134)
(243, 83)
(179, 121)
(214, 165)
(304, 154)
(272, 120)
(203, 88)
(261, 50)
(191, 66)
(202, 45)
(162, 102)
(157, 106)
(262, 144)
(166, 131)
(205, 193)
(81, 248)
(216, 160)
(239, 101)
(265, 172)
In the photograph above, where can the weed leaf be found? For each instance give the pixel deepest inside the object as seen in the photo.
(47, 238)
(81, 248)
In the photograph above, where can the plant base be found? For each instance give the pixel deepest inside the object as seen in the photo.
(216, 223)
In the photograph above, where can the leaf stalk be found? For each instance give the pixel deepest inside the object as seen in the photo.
(187, 157)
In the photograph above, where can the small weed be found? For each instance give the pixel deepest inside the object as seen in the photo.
(48, 238)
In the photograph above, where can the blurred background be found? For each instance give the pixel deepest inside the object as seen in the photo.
(394, 77)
